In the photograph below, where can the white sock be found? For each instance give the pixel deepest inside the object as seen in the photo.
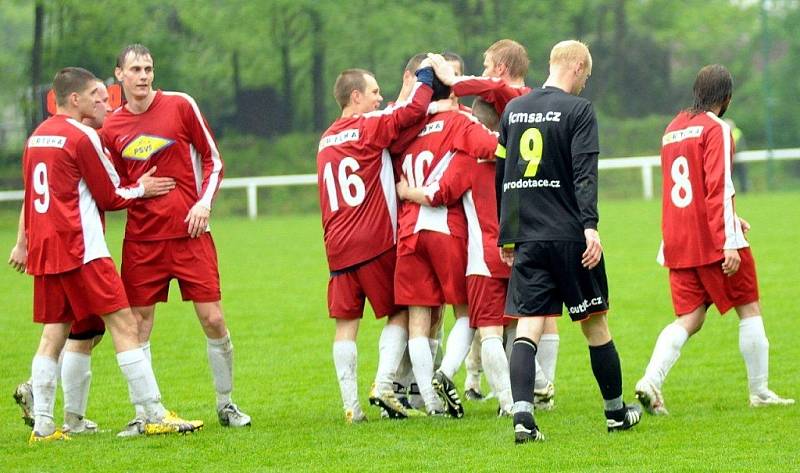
(391, 347)
(665, 353)
(495, 365)
(540, 381)
(43, 380)
(419, 350)
(140, 414)
(754, 346)
(510, 335)
(146, 350)
(142, 385)
(458, 343)
(220, 359)
(547, 354)
(76, 377)
(473, 365)
(405, 375)
(345, 359)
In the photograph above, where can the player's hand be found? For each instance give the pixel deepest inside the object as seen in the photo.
(594, 249)
(425, 63)
(507, 255)
(744, 223)
(18, 258)
(197, 218)
(443, 69)
(731, 262)
(155, 186)
(402, 188)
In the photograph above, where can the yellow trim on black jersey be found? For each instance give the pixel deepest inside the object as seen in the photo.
(500, 152)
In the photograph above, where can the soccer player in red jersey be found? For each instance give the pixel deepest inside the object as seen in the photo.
(68, 180)
(704, 246)
(170, 237)
(431, 251)
(359, 220)
(471, 181)
(84, 335)
(505, 66)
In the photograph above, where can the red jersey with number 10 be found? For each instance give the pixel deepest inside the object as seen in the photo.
(424, 162)
(356, 183)
(699, 218)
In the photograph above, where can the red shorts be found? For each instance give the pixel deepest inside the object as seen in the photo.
(434, 273)
(706, 285)
(87, 328)
(149, 266)
(93, 288)
(487, 301)
(372, 280)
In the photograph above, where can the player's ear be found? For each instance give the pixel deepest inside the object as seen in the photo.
(118, 73)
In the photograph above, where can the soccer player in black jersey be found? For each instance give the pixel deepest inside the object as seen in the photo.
(547, 186)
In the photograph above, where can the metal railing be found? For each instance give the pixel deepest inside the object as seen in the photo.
(645, 163)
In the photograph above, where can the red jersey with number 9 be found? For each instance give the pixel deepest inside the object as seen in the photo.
(356, 182)
(698, 215)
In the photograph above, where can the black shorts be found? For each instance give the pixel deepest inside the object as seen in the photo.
(549, 274)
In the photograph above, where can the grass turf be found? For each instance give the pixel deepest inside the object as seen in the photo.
(274, 282)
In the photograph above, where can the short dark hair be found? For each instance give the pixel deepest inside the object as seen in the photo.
(70, 80)
(486, 113)
(348, 81)
(713, 86)
(453, 57)
(414, 62)
(137, 50)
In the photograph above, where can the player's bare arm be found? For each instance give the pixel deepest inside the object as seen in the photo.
(594, 249)
(197, 219)
(731, 262)
(18, 259)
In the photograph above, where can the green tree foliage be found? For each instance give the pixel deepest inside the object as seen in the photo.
(646, 52)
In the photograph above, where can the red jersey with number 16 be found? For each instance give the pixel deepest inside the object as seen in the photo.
(356, 182)
(68, 180)
(699, 218)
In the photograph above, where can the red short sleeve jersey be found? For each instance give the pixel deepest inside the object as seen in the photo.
(699, 218)
(68, 181)
(491, 89)
(356, 182)
(173, 135)
(425, 161)
(471, 182)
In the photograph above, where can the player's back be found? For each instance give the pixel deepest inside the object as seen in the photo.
(425, 161)
(356, 192)
(61, 217)
(540, 133)
(698, 217)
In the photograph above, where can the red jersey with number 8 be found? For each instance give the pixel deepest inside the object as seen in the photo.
(698, 215)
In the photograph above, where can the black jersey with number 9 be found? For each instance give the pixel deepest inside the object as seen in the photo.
(548, 139)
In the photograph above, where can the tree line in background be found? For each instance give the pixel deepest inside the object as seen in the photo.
(267, 68)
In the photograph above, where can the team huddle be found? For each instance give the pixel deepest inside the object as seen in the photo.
(493, 209)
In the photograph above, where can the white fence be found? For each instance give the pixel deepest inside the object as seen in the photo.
(645, 163)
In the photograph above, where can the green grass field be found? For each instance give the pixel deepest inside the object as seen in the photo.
(274, 282)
